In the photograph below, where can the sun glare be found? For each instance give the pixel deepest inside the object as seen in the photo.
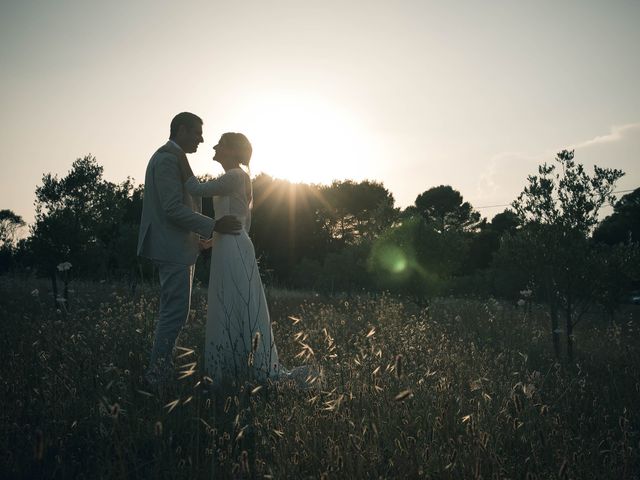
(305, 139)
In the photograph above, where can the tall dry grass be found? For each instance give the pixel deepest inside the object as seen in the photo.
(458, 389)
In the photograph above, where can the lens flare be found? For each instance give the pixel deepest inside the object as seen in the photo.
(393, 259)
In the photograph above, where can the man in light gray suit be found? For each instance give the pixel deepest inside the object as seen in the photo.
(170, 234)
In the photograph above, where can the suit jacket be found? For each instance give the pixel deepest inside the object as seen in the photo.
(171, 218)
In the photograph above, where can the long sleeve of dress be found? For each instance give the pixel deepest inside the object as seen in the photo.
(223, 185)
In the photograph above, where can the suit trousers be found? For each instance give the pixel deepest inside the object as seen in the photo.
(175, 301)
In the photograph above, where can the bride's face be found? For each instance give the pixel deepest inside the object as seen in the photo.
(224, 154)
(219, 151)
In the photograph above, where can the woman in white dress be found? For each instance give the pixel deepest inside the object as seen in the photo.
(239, 339)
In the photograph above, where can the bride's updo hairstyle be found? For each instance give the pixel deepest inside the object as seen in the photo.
(241, 144)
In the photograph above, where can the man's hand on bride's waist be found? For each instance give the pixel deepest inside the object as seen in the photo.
(228, 225)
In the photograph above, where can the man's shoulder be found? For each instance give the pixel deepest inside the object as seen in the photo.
(162, 164)
(163, 155)
(168, 150)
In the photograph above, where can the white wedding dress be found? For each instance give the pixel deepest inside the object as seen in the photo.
(239, 339)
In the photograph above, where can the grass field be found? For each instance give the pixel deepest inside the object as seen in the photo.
(459, 389)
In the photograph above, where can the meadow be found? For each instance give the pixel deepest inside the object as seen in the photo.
(447, 389)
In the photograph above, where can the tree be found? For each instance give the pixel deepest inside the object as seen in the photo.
(623, 225)
(445, 209)
(616, 269)
(83, 219)
(343, 270)
(356, 211)
(559, 210)
(484, 243)
(285, 225)
(413, 256)
(10, 223)
(505, 222)
(292, 222)
(571, 199)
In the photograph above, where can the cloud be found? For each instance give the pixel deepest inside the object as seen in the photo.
(619, 149)
(505, 174)
(618, 133)
(504, 177)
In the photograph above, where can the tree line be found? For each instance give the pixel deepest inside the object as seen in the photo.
(349, 236)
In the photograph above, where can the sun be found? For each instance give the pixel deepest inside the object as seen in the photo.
(305, 138)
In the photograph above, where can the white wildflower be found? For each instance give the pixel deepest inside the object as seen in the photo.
(521, 302)
(64, 266)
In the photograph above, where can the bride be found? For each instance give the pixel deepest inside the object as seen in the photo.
(239, 339)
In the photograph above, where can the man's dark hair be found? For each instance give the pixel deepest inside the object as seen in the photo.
(187, 119)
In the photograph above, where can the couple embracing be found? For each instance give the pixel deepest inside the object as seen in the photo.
(239, 343)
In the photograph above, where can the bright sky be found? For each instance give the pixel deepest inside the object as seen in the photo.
(411, 93)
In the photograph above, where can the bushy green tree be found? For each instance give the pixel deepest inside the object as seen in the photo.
(356, 211)
(85, 220)
(445, 209)
(559, 208)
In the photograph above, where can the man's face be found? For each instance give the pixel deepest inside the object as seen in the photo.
(192, 137)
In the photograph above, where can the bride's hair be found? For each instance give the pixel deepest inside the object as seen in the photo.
(241, 144)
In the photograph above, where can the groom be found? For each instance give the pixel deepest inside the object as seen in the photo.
(170, 232)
